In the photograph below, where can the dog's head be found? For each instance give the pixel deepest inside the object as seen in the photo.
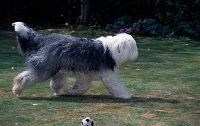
(126, 48)
(21, 28)
(122, 46)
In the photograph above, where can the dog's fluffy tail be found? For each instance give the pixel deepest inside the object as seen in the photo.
(25, 38)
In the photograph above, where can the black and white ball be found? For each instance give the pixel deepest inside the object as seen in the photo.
(87, 122)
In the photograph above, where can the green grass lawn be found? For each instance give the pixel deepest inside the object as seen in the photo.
(164, 82)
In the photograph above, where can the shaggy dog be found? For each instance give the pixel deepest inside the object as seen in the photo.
(53, 55)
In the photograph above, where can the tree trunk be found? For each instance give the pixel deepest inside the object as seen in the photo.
(84, 12)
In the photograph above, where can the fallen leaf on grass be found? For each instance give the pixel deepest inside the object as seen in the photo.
(167, 111)
(137, 69)
(189, 97)
(196, 112)
(149, 115)
(71, 32)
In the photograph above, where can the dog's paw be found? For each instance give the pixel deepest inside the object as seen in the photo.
(16, 86)
(61, 92)
(72, 91)
(16, 90)
(124, 96)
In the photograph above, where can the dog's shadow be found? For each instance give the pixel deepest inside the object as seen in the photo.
(101, 99)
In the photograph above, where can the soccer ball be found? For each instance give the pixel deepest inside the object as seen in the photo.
(87, 122)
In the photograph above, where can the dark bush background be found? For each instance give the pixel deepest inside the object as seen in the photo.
(181, 17)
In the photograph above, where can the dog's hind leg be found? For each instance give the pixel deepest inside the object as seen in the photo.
(82, 84)
(58, 83)
(22, 80)
(115, 87)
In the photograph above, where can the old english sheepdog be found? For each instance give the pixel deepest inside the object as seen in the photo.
(53, 55)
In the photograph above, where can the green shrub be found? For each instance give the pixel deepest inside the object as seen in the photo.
(148, 27)
(120, 23)
(188, 29)
(183, 29)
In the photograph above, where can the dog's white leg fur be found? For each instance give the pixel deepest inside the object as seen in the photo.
(58, 83)
(82, 84)
(22, 80)
(115, 87)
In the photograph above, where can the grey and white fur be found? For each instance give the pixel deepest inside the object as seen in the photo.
(52, 56)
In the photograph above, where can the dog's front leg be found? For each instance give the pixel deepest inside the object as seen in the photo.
(115, 87)
(22, 80)
(82, 84)
(59, 84)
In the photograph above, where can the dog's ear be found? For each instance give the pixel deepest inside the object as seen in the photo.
(121, 47)
(118, 49)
